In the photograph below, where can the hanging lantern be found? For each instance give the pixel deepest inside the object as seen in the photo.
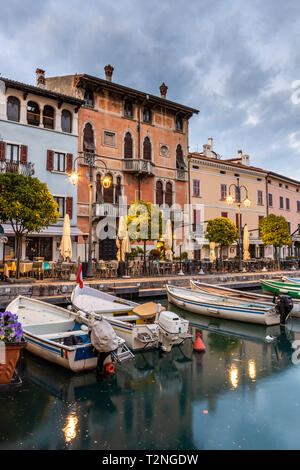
(106, 182)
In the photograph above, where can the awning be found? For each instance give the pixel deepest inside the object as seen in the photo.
(51, 231)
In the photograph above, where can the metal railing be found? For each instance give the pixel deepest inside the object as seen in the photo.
(8, 166)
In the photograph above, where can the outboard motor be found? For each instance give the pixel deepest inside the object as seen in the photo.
(284, 306)
(104, 340)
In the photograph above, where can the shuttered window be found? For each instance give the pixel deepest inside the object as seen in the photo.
(159, 193)
(179, 158)
(69, 206)
(128, 146)
(50, 160)
(196, 188)
(169, 194)
(223, 191)
(147, 149)
(24, 154)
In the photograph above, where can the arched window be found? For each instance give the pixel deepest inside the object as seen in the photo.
(128, 146)
(108, 193)
(147, 149)
(179, 158)
(169, 194)
(13, 109)
(88, 138)
(33, 113)
(128, 109)
(159, 199)
(48, 117)
(66, 121)
(146, 114)
(99, 189)
(118, 190)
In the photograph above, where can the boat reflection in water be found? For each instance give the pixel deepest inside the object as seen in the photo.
(221, 398)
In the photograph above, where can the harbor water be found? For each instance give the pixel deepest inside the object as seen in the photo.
(243, 392)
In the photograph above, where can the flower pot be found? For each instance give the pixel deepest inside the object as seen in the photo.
(12, 354)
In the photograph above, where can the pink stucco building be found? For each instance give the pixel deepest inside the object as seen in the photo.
(283, 198)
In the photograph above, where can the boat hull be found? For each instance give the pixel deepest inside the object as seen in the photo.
(282, 288)
(261, 298)
(69, 359)
(217, 310)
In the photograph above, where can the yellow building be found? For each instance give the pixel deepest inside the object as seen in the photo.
(211, 180)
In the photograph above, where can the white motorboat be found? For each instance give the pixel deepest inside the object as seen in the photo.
(239, 294)
(142, 326)
(61, 336)
(222, 306)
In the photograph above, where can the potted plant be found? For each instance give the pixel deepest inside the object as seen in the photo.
(11, 344)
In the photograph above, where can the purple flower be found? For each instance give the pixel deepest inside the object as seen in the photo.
(10, 328)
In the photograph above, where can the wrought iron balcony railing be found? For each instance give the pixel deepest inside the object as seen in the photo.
(8, 166)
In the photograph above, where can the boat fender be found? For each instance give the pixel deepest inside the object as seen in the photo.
(110, 368)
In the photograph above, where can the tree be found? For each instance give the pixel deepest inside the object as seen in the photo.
(144, 222)
(27, 205)
(222, 231)
(274, 230)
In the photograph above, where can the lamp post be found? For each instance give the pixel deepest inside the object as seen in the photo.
(90, 159)
(237, 198)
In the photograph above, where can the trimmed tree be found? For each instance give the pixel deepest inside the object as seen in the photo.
(144, 222)
(274, 230)
(222, 231)
(27, 205)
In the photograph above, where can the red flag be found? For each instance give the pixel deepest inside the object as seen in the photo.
(80, 278)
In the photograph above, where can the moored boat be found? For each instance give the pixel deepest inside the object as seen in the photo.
(280, 288)
(144, 326)
(60, 336)
(239, 294)
(222, 306)
(291, 280)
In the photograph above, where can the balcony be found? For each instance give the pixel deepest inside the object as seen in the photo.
(105, 209)
(8, 166)
(136, 165)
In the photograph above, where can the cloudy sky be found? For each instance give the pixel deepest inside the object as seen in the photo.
(238, 62)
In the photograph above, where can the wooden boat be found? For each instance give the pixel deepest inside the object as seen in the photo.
(59, 336)
(222, 306)
(142, 326)
(291, 280)
(280, 288)
(239, 294)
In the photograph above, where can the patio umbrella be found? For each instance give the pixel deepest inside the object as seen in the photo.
(168, 238)
(65, 248)
(246, 244)
(212, 255)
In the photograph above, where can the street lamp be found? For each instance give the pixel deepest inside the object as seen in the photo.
(90, 159)
(237, 198)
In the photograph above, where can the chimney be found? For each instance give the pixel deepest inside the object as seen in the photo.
(40, 78)
(240, 153)
(210, 143)
(108, 72)
(246, 160)
(163, 90)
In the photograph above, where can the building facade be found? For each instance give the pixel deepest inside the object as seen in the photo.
(284, 200)
(141, 142)
(39, 137)
(211, 180)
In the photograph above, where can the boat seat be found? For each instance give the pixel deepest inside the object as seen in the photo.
(147, 310)
(50, 328)
(65, 334)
